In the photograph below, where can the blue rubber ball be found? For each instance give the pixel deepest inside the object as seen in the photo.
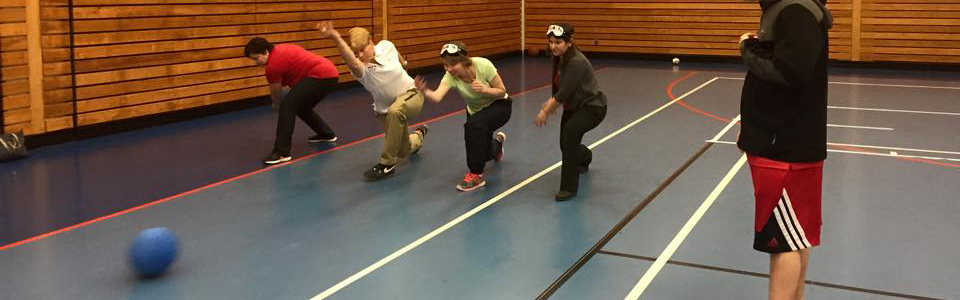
(153, 251)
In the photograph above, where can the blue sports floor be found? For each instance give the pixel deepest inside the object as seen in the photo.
(665, 212)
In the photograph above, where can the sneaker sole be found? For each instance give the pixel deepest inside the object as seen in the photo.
(473, 188)
(371, 179)
(273, 162)
(323, 141)
(368, 179)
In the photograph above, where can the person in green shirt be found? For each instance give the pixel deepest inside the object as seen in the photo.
(488, 107)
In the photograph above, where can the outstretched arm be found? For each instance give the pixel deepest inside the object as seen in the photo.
(434, 96)
(549, 107)
(326, 30)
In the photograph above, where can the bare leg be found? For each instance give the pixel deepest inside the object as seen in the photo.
(804, 258)
(785, 274)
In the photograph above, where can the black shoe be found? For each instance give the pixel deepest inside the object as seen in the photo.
(422, 129)
(565, 195)
(380, 171)
(322, 139)
(276, 158)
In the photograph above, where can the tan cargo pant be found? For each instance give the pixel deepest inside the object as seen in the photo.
(397, 141)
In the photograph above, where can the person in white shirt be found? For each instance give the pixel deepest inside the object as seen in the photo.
(380, 69)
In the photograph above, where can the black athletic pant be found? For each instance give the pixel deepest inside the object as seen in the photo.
(573, 125)
(478, 133)
(299, 102)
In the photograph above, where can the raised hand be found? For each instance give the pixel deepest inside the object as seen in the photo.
(326, 29)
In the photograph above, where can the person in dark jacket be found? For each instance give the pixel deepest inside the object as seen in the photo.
(584, 106)
(784, 129)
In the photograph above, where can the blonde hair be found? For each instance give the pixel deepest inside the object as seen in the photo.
(359, 38)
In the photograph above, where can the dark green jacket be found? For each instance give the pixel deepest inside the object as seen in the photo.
(574, 82)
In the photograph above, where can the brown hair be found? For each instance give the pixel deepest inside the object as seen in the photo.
(459, 58)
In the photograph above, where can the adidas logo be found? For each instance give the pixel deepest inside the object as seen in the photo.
(773, 243)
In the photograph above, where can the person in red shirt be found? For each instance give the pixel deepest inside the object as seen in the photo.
(309, 77)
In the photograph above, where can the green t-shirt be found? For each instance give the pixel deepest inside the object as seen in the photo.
(485, 73)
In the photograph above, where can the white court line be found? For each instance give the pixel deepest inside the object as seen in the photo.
(687, 227)
(898, 85)
(877, 84)
(382, 262)
(671, 248)
(891, 154)
(895, 148)
(859, 127)
(678, 239)
(725, 129)
(880, 147)
(735, 120)
(896, 110)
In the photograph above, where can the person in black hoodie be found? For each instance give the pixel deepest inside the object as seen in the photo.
(584, 106)
(783, 108)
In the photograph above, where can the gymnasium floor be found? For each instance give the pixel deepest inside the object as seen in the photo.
(665, 211)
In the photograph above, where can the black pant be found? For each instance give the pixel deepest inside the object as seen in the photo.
(478, 133)
(573, 125)
(299, 102)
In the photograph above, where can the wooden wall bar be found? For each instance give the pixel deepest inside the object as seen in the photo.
(14, 69)
(57, 79)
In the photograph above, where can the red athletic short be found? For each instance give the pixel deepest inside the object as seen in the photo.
(787, 204)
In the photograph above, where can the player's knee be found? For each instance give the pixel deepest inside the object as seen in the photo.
(474, 126)
(394, 113)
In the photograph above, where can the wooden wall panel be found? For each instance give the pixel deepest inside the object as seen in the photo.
(668, 27)
(140, 57)
(58, 83)
(135, 58)
(420, 27)
(14, 87)
(911, 31)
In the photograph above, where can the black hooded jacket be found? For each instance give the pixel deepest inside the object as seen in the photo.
(783, 105)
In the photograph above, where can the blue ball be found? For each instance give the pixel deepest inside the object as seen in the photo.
(153, 251)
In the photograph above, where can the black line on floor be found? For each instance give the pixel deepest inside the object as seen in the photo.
(762, 275)
(623, 223)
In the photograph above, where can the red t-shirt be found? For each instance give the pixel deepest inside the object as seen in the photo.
(289, 63)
